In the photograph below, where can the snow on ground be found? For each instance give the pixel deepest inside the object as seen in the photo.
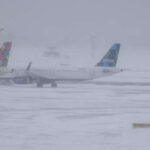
(76, 116)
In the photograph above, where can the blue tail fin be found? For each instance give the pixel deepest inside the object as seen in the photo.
(111, 57)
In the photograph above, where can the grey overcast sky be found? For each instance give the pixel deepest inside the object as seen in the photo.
(126, 21)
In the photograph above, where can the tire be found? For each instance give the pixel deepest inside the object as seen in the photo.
(39, 84)
(53, 84)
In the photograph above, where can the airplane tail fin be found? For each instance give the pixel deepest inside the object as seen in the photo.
(4, 53)
(111, 57)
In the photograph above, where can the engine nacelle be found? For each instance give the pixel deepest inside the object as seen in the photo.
(23, 80)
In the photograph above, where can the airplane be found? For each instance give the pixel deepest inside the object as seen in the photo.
(105, 67)
(4, 56)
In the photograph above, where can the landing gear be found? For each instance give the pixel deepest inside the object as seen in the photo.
(53, 84)
(39, 84)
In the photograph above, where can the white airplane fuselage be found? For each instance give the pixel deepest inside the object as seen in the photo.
(74, 74)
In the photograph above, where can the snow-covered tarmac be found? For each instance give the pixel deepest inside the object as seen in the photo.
(77, 116)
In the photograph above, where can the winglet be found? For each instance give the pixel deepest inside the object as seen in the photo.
(29, 66)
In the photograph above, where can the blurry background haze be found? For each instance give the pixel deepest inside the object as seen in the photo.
(76, 22)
